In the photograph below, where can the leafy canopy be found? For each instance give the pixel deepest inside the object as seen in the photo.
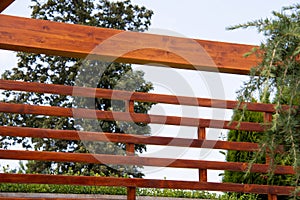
(61, 70)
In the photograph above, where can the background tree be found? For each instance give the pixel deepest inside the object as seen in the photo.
(278, 74)
(61, 70)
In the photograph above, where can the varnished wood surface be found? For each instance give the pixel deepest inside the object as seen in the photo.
(125, 138)
(52, 38)
(133, 96)
(39, 36)
(53, 196)
(4, 4)
(125, 116)
(145, 183)
(140, 161)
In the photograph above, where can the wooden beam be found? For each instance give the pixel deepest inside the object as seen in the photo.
(125, 138)
(146, 183)
(4, 4)
(129, 117)
(39, 36)
(133, 96)
(141, 161)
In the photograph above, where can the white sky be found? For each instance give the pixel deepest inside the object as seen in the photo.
(194, 19)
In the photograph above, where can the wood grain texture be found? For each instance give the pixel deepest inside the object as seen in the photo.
(145, 183)
(133, 96)
(53, 198)
(202, 172)
(130, 117)
(140, 161)
(4, 4)
(125, 138)
(52, 38)
(131, 193)
(272, 197)
(39, 36)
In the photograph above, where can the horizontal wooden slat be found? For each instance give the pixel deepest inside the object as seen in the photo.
(125, 138)
(124, 116)
(134, 96)
(30, 198)
(141, 161)
(24, 198)
(4, 4)
(106, 197)
(72, 196)
(40, 36)
(55, 198)
(146, 183)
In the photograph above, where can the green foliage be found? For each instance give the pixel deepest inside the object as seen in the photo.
(175, 193)
(61, 70)
(251, 157)
(65, 189)
(278, 75)
(71, 189)
(244, 156)
(235, 196)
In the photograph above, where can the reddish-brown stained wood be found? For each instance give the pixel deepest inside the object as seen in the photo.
(272, 197)
(141, 161)
(146, 183)
(133, 96)
(130, 149)
(44, 198)
(125, 138)
(129, 105)
(268, 117)
(24, 198)
(131, 193)
(202, 172)
(39, 36)
(201, 133)
(268, 120)
(53, 198)
(4, 4)
(123, 116)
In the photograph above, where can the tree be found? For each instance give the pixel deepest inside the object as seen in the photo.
(257, 157)
(278, 74)
(61, 70)
(242, 156)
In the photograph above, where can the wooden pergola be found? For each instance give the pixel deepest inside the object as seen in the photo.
(77, 41)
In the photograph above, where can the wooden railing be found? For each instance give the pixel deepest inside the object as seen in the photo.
(38, 36)
(130, 115)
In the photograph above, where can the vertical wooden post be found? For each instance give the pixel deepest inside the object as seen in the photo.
(267, 119)
(202, 172)
(272, 197)
(131, 191)
(129, 106)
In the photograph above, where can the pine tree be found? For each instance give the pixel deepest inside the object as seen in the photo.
(277, 75)
(62, 70)
(245, 156)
